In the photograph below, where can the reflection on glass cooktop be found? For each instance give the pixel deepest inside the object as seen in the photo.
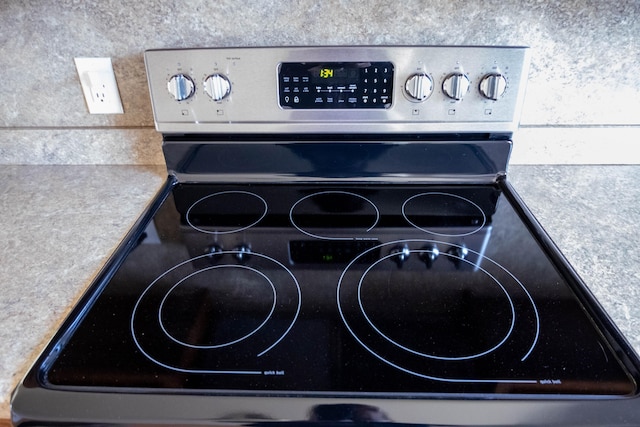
(342, 289)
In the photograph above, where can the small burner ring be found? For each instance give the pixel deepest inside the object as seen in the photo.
(359, 199)
(233, 229)
(465, 204)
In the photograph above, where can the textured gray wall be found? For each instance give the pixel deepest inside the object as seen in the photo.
(585, 62)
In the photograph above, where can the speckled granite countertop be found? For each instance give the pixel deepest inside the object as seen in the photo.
(58, 225)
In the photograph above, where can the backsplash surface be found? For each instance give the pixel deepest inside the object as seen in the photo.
(584, 73)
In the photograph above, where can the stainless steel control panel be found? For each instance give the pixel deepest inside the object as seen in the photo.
(351, 89)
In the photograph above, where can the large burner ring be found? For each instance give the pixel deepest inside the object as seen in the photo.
(218, 319)
(414, 320)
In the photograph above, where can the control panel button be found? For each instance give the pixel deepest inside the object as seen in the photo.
(456, 85)
(492, 86)
(217, 86)
(181, 87)
(419, 87)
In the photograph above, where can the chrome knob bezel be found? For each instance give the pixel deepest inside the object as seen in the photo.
(181, 87)
(217, 86)
(492, 86)
(418, 87)
(456, 85)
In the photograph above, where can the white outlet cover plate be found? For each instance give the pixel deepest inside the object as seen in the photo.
(99, 85)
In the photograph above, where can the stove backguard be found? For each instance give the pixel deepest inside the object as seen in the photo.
(336, 160)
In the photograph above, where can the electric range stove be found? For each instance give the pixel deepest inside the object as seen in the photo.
(337, 241)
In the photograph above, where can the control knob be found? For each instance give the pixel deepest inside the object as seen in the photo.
(399, 254)
(492, 86)
(181, 87)
(217, 86)
(456, 85)
(242, 253)
(457, 254)
(214, 253)
(429, 254)
(418, 87)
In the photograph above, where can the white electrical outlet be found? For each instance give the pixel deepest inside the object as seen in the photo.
(99, 85)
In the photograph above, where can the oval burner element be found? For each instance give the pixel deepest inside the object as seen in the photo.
(226, 212)
(334, 215)
(443, 214)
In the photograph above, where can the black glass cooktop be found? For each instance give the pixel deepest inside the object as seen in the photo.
(341, 289)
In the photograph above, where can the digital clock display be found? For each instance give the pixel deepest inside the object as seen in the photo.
(332, 252)
(326, 73)
(335, 74)
(335, 85)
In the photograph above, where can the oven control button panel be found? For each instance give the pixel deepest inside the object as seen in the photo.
(320, 85)
(338, 89)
